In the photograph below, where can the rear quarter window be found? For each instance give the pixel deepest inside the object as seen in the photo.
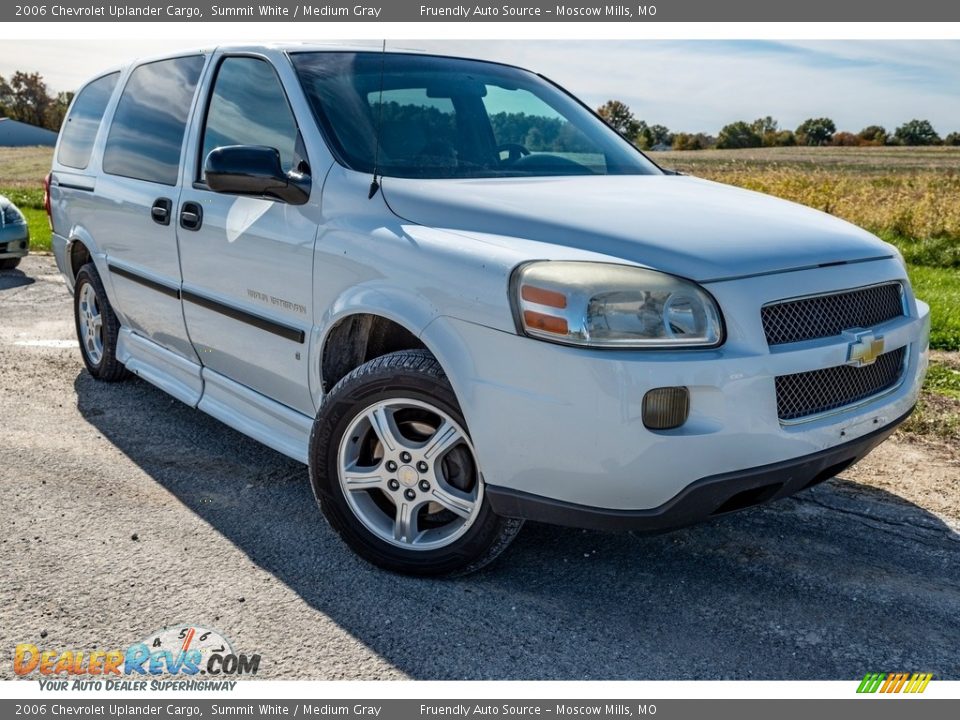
(83, 123)
(147, 131)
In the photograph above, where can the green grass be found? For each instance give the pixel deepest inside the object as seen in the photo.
(40, 235)
(940, 288)
(943, 380)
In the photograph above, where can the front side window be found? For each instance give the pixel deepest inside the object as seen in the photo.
(249, 107)
(438, 117)
(83, 123)
(146, 135)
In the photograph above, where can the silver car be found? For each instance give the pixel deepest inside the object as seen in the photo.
(14, 235)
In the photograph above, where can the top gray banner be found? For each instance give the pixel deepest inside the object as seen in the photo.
(519, 11)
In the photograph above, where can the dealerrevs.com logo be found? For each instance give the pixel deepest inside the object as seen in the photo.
(188, 651)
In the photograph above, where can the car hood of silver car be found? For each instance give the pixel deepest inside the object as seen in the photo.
(683, 225)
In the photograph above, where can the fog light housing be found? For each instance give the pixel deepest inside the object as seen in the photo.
(666, 408)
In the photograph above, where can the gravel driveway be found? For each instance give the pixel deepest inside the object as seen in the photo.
(125, 511)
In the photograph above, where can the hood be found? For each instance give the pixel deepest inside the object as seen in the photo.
(682, 225)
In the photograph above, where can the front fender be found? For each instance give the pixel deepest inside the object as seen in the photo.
(406, 308)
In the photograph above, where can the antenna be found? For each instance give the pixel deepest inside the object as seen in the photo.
(375, 183)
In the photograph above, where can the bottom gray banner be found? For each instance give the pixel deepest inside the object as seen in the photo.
(873, 707)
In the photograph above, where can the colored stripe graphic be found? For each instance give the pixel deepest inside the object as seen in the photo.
(894, 682)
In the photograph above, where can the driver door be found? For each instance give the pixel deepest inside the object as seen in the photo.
(248, 261)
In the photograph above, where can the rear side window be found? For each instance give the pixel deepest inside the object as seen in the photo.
(148, 126)
(82, 124)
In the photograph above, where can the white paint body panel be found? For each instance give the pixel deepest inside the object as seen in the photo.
(436, 257)
(167, 370)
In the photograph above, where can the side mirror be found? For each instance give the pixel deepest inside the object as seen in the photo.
(254, 170)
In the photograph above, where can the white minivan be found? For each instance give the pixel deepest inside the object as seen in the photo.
(464, 301)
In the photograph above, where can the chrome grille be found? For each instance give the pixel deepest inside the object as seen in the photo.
(818, 391)
(828, 315)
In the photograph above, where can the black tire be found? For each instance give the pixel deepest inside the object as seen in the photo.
(413, 374)
(9, 263)
(108, 368)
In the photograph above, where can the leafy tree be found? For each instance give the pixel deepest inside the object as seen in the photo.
(58, 110)
(619, 116)
(763, 126)
(952, 139)
(660, 135)
(6, 97)
(691, 141)
(29, 101)
(643, 138)
(846, 139)
(917, 132)
(782, 138)
(873, 135)
(816, 131)
(738, 135)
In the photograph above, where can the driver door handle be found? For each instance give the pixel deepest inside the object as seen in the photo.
(160, 212)
(191, 216)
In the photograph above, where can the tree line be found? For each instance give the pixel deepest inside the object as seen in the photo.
(25, 97)
(766, 132)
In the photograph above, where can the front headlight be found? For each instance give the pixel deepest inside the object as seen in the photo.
(619, 306)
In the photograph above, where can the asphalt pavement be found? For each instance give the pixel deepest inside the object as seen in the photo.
(125, 511)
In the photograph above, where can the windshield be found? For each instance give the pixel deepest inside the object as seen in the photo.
(449, 118)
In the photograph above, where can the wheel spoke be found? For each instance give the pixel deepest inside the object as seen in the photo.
(454, 503)
(357, 479)
(405, 522)
(381, 422)
(443, 439)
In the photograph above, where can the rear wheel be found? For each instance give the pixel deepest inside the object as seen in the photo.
(97, 326)
(396, 474)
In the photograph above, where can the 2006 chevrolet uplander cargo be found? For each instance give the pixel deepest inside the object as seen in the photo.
(464, 301)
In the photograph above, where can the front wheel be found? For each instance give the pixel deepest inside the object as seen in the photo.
(395, 472)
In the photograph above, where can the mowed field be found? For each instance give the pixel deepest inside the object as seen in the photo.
(908, 196)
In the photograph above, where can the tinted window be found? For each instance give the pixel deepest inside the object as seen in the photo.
(80, 128)
(446, 117)
(148, 125)
(249, 107)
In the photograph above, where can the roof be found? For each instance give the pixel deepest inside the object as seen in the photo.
(14, 133)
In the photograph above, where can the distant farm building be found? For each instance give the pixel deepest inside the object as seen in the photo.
(17, 134)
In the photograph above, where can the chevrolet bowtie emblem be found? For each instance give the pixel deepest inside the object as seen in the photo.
(865, 349)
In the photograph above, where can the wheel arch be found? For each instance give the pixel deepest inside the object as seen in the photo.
(81, 249)
(364, 324)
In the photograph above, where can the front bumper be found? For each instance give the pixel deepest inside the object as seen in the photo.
(14, 241)
(564, 423)
(706, 498)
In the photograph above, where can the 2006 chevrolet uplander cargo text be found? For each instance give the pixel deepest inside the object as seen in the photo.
(464, 301)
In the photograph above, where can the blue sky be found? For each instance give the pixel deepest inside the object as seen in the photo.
(685, 85)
